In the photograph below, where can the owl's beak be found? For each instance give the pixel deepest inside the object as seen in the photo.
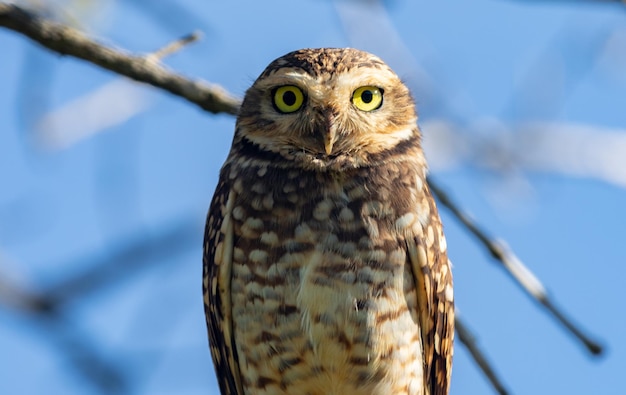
(329, 140)
(329, 129)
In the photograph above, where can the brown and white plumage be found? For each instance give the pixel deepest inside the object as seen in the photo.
(325, 266)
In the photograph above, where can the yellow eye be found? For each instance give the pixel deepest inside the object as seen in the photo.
(367, 98)
(288, 98)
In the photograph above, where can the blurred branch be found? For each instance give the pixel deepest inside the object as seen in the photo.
(18, 298)
(504, 150)
(515, 268)
(125, 258)
(84, 354)
(48, 307)
(466, 338)
(109, 105)
(69, 41)
(109, 377)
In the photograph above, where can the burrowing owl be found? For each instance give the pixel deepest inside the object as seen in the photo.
(325, 266)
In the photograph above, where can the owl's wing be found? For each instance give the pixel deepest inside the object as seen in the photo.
(433, 279)
(217, 266)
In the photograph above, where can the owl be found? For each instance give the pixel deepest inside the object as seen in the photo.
(325, 266)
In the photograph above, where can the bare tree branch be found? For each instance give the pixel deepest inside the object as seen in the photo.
(469, 341)
(176, 46)
(69, 41)
(515, 268)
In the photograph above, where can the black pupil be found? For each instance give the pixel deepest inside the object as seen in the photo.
(367, 96)
(289, 98)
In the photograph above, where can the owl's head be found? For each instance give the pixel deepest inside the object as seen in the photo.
(328, 108)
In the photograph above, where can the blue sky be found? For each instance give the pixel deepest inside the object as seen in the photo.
(142, 169)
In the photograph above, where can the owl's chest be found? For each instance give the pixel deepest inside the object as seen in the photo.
(321, 292)
(335, 231)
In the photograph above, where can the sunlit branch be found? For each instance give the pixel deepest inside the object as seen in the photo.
(515, 267)
(175, 46)
(68, 41)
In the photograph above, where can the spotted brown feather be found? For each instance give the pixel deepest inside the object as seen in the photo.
(431, 269)
(217, 310)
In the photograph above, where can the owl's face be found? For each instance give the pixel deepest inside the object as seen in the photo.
(327, 108)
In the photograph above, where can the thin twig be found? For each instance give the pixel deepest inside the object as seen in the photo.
(466, 338)
(176, 45)
(516, 268)
(68, 41)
